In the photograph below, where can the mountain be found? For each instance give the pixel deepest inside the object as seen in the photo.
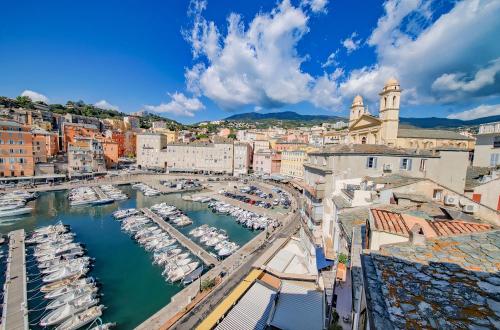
(290, 116)
(284, 115)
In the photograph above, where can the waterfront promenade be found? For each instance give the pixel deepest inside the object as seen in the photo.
(15, 316)
(198, 251)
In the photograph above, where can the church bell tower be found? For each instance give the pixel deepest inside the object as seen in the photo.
(389, 112)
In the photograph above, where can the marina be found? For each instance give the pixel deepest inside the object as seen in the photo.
(126, 298)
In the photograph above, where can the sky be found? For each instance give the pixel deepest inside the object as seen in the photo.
(208, 59)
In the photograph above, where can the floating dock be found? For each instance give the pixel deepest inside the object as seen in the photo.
(198, 251)
(15, 314)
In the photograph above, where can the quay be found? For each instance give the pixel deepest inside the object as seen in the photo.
(198, 251)
(100, 193)
(15, 314)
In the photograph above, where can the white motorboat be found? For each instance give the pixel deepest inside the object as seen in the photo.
(121, 214)
(81, 319)
(66, 255)
(103, 201)
(64, 312)
(66, 272)
(85, 261)
(14, 212)
(71, 296)
(179, 273)
(104, 326)
(88, 281)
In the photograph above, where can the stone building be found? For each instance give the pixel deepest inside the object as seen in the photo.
(148, 150)
(85, 157)
(292, 163)
(365, 128)
(242, 158)
(199, 157)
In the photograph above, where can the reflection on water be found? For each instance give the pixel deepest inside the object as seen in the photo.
(133, 288)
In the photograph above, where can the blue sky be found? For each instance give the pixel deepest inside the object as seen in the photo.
(199, 60)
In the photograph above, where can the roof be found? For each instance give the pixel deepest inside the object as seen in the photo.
(431, 134)
(371, 149)
(252, 311)
(353, 218)
(473, 176)
(448, 283)
(400, 224)
(340, 202)
(298, 308)
(394, 180)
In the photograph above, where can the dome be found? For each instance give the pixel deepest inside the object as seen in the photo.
(392, 82)
(358, 100)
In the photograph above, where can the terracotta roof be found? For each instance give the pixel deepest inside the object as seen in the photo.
(390, 222)
(454, 227)
(400, 224)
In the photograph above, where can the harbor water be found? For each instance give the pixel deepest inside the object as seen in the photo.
(133, 288)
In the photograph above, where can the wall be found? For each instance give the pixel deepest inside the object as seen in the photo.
(484, 149)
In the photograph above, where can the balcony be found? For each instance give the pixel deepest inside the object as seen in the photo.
(317, 190)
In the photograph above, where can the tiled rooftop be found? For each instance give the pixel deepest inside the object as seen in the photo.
(371, 149)
(400, 224)
(448, 283)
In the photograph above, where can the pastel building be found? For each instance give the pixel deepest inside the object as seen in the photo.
(242, 158)
(16, 150)
(487, 149)
(148, 147)
(292, 163)
(85, 157)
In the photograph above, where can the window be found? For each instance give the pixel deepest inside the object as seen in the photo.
(494, 159)
(363, 140)
(371, 162)
(405, 164)
(437, 194)
(496, 142)
(423, 164)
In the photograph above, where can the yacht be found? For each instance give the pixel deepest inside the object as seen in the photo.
(81, 319)
(64, 312)
(14, 212)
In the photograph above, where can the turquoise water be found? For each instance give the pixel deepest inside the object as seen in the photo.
(133, 287)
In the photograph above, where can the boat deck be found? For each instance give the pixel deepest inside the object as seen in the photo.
(15, 315)
(198, 251)
(100, 193)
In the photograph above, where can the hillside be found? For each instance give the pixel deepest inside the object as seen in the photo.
(82, 109)
(290, 116)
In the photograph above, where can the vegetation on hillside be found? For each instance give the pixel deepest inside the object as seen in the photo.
(82, 109)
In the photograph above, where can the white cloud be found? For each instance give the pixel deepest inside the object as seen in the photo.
(419, 52)
(330, 61)
(478, 112)
(35, 97)
(256, 64)
(317, 6)
(180, 105)
(459, 82)
(351, 43)
(103, 104)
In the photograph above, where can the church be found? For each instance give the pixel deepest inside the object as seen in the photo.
(365, 128)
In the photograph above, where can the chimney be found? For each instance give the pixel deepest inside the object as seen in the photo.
(417, 236)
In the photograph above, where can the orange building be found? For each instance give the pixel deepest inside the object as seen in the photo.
(45, 145)
(110, 149)
(119, 138)
(129, 142)
(290, 146)
(16, 150)
(72, 130)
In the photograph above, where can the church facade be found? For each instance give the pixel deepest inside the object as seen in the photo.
(365, 128)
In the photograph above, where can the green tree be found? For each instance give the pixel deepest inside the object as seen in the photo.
(201, 136)
(207, 284)
(24, 101)
(232, 136)
(342, 258)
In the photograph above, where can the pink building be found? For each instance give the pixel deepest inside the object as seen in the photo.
(275, 162)
(295, 137)
(262, 163)
(224, 132)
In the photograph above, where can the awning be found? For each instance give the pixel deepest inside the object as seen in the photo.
(321, 261)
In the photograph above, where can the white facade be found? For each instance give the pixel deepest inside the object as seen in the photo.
(199, 157)
(148, 150)
(242, 158)
(487, 149)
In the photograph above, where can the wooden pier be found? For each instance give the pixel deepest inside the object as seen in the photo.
(15, 314)
(198, 251)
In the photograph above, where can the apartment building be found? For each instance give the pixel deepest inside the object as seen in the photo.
(242, 158)
(16, 150)
(110, 150)
(327, 167)
(290, 145)
(292, 163)
(129, 144)
(206, 157)
(85, 156)
(70, 131)
(131, 122)
(148, 148)
(262, 161)
(487, 149)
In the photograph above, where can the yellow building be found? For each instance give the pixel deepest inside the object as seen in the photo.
(292, 162)
(172, 136)
(365, 128)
